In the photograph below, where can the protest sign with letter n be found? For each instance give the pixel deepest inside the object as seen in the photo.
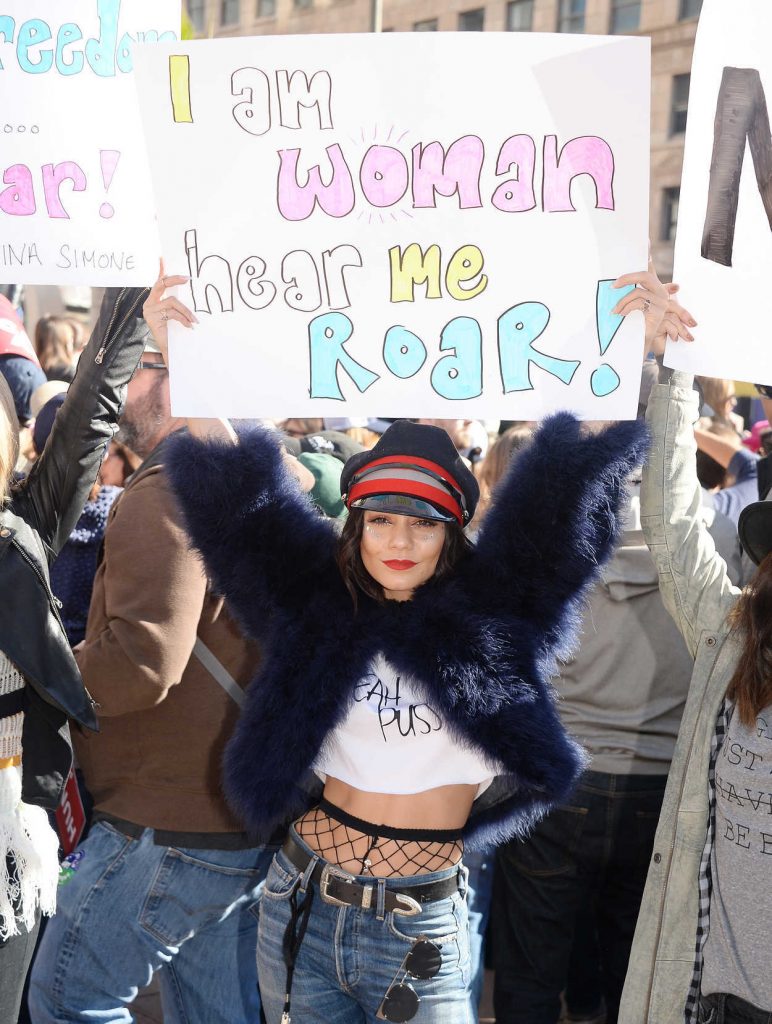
(392, 223)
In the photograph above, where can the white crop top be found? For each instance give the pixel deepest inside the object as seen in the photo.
(392, 741)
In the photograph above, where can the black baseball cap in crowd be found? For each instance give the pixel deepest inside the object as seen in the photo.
(413, 470)
(755, 530)
(331, 442)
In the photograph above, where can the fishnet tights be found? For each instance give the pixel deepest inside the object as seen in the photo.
(362, 854)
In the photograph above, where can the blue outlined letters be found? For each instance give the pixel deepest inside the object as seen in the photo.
(106, 54)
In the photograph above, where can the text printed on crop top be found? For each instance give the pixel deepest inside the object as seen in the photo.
(393, 741)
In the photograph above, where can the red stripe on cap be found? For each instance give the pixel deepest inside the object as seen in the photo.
(411, 488)
(414, 460)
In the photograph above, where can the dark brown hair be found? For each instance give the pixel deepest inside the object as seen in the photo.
(751, 618)
(359, 581)
(55, 341)
(498, 460)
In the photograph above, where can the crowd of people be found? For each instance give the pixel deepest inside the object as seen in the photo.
(359, 708)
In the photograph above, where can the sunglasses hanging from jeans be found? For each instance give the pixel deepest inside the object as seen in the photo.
(422, 962)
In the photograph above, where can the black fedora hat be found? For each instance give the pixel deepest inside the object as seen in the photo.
(418, 465)
(755, 529)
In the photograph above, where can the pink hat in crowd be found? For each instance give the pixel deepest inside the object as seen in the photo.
(14, 340)
(753, 441)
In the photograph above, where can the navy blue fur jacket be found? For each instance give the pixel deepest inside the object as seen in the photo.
(481, 644)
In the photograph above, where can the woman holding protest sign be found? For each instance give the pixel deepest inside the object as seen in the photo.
(40, 687)
(704, 937)
(403, 710)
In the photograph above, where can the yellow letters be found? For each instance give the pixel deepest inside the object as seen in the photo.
(413, 267)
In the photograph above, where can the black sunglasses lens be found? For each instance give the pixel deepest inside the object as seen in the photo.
(400, 1004)
(424, 960)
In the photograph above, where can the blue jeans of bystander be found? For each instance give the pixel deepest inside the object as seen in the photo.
(479, 895)
(132, 908)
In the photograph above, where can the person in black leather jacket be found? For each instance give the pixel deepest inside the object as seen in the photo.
(40, 686)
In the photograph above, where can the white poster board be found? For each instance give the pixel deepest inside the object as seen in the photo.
(76, 203)
(401, 225)
(723, 251)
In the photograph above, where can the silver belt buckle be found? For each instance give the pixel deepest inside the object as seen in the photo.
(330, 871)
(411, 906)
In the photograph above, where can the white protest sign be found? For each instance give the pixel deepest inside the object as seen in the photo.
(76, 203)
(401, 225)
(723, 251)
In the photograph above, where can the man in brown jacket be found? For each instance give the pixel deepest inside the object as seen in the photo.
(165, 880)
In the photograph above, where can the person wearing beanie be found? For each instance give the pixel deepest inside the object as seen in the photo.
(40, 686)
(403, 710)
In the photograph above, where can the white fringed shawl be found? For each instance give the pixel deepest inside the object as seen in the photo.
(29, 864)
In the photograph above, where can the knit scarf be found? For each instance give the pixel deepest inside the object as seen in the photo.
(29, 847)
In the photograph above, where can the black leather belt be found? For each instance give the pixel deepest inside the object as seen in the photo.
(338, 887)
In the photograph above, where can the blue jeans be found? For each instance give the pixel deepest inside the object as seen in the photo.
(132, 908)
(350, 956)
(479, 894)
(586, 862)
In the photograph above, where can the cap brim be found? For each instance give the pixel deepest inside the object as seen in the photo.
(755, 530)
(403, 505)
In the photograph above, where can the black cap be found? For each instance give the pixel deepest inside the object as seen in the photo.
(408, 447)
(331, 442)
(755, 529)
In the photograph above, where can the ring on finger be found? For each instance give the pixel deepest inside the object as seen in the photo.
(164, 314)
(646, 306)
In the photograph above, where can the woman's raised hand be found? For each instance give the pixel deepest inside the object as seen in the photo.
(664, 316)
(160, 308)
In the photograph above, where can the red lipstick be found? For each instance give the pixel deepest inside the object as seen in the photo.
(399, 564)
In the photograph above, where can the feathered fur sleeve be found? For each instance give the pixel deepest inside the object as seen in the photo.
(264, 545)
(554, 522)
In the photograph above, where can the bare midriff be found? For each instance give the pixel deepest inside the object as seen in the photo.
(445, 808)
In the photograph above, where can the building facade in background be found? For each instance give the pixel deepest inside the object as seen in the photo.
(671, 24)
